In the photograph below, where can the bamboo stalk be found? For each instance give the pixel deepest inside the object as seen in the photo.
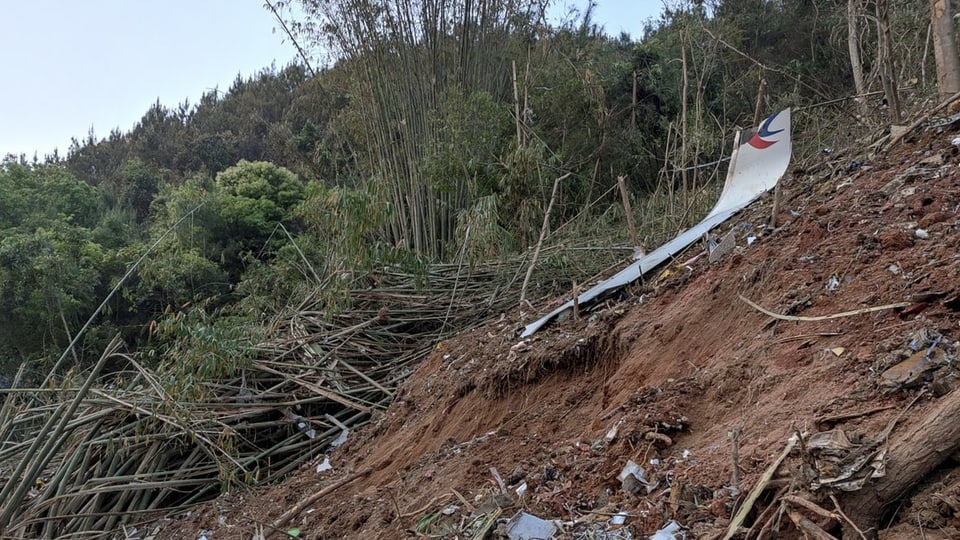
(45, 451)
(543, 234)
(110, 468)
(625, 197)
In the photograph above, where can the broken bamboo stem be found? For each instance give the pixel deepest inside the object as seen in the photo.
(811, 506)
(576, 301)
(735, 451)
(628, 211)
(543, 234)
(302, 505)
(836, 504)
(821, 317)
(741, 515)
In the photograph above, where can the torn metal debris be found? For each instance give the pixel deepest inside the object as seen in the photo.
(633, 479)
(524, 526)
(759, 160)
(843, 464)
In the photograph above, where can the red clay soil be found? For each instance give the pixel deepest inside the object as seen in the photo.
(664, 378)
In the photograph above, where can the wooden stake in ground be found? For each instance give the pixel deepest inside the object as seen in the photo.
(735, 476)
(758, 108)
(757, 111)
(628, 211)
(576, 301)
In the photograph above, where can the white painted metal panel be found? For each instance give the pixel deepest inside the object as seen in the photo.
(756, 166)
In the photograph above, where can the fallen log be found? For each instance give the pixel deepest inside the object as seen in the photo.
(916, 451)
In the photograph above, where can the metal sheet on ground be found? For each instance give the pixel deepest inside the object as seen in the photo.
(759, 159)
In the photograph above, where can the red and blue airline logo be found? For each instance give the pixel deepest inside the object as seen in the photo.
(759, 139)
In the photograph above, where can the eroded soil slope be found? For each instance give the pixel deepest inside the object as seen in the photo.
(667, 377)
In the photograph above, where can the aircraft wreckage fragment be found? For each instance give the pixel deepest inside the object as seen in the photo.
(756, 165)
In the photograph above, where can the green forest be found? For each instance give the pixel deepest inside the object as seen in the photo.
(432, 133)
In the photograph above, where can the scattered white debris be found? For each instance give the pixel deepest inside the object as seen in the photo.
(521, 345)
(521, 489)
(524, 526)
(612, 432)
(922, 234)
(325, 466)
(670, 531)
(632, 477)
(306, 429)
(342, 438)
(832, 284)
(619, 519)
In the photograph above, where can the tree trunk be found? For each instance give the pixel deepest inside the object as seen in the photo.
(856, 65)
(913, 454)
(887, 74)
(944, 49)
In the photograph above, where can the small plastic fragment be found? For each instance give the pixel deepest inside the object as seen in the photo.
(670, 531)
(619, 518)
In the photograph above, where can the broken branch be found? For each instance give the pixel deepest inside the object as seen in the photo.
(811, 506)
(821, 317)
(809, 528)
(302, 505)
(847, 416)
(543, 229)
(836, 505)
(758, 489)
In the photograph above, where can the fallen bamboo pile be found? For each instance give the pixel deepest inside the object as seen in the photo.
(82, 460)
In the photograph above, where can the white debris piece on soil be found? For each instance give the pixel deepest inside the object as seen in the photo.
(670, 531)
(632, 477)
(524, 526)
(619, 519)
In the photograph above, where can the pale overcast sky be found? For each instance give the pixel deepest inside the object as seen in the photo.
(69, 66)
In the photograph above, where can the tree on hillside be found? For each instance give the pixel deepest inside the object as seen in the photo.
(945, 48)
(232, 225)
(255, 197)
(52, 267)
